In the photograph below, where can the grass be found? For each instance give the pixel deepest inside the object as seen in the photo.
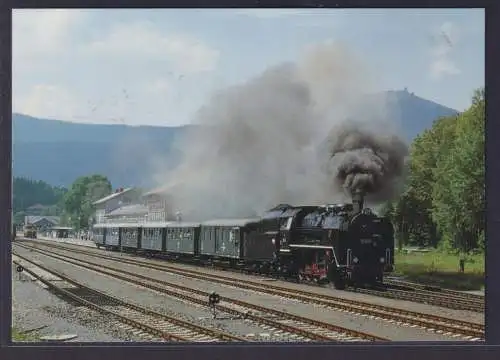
(19, 336)
(441, 269)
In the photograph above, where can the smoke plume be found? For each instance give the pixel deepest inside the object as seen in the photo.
(366, 161)
(285, 137)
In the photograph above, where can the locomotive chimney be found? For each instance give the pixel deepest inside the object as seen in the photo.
(357, 201)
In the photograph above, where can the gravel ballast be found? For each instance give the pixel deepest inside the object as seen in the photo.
(159, 302)
(34, 307)
(356, 322)
(398, 304)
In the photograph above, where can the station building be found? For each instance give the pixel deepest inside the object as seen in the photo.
(108, 205)
(133, 206)
(42, 224)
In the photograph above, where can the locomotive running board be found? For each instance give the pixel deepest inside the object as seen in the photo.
(312, 246)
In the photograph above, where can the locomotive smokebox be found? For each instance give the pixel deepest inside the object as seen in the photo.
(358, 201)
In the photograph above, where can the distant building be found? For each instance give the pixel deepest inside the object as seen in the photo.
(120, 197)
(42, 223)
(159, 204)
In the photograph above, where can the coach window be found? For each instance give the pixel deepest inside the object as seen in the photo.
(225, 235)
(237, 238)
(218, 234)
(213, 235)
(208, 235)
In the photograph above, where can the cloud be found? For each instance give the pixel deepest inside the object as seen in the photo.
(47, 101)
(159, 86)
(41, 33)
(75, 64)
(142, 41)
(442, 63)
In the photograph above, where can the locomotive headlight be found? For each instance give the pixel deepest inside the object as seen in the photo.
(273, 241)
(382, 260)
(355, 260)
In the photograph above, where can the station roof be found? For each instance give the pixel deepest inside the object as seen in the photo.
(35, 219)
(112, 196)
(229, 222)
(135, 209)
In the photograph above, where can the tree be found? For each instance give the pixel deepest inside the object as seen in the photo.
(459, 201)
(78, 201)
(443, 200)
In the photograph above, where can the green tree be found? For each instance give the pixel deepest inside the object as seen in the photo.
(78, 201)
(443, 200)
(458, 204)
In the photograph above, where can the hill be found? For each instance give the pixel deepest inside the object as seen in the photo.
(58, 152)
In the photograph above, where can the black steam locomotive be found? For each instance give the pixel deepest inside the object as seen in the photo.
(344, 244)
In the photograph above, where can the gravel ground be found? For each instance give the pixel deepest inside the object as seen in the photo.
(399, 304)
(33, 307)
(375, 326)
(157, 301)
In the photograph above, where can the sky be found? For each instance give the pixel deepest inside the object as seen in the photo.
(158, 67)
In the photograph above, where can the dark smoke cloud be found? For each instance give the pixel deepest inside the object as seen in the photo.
(262, 143)
(366, 161)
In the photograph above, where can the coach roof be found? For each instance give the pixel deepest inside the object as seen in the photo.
(229, 222)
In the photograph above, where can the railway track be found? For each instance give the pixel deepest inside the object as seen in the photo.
(402, 290)
(289, 326)
(436, 290)
(423, 296)
(151, 325)
(468, 330)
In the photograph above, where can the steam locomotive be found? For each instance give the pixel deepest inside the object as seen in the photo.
(345, 244)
